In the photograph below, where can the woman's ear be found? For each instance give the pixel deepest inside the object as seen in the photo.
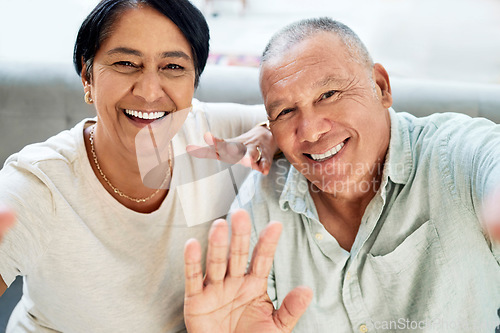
(383, 85)
(87, 89)
(84, 75)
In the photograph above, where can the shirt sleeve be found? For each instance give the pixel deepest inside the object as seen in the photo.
(25, 242)
(474, 152)
(228, 120)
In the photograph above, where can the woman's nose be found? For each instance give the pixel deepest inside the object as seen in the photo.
(149, 87)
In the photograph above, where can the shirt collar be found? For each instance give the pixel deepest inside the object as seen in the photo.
(398, 162)
(398, 167)
(295, 194)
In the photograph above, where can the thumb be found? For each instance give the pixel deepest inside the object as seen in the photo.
(293, 307)
(209, 138)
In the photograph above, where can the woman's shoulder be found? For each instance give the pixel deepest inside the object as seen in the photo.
(228, 118)
(63, 147)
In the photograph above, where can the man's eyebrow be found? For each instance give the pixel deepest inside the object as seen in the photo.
(167, 54)
(273, 106)
(329, 80)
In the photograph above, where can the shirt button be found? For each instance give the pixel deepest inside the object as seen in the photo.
(319, 236)
(348, 275)
(363, 328)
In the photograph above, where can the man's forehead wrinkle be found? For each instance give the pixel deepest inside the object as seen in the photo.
(332, 80)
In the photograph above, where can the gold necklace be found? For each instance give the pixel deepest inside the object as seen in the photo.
(116, 190)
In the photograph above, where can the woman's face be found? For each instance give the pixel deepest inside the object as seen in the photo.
(143, 71)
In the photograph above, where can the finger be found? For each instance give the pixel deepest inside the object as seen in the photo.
(240, 243)
(209, 138)
(234, 150)
(192, 268)
(251, 158)
(293, 307)
(250, 161)
(229, 151)
(264, 166)
(263, 254)
(217, 252)
(201, 152)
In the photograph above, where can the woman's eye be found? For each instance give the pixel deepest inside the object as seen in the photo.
(173, 66)
(328, 94)
(124, 64)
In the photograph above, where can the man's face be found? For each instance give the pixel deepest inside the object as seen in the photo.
(328, 114)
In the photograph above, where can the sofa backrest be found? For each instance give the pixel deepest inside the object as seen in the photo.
(37, 102)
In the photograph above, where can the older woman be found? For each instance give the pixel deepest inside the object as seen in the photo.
(100, 228)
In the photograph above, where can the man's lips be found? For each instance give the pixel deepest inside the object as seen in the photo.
(328, 154)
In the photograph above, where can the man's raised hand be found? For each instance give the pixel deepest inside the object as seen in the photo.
(229, 298)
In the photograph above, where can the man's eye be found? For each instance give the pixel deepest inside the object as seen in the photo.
(328, 94)
(285, 112)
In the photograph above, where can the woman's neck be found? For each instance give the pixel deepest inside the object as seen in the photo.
(124, 181)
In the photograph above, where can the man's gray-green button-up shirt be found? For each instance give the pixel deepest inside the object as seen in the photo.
(421, 261)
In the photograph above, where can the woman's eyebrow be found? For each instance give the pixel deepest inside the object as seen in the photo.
(175, 54)
(167, 54)
(124, 50)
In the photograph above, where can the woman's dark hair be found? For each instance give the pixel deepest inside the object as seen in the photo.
(98, 25)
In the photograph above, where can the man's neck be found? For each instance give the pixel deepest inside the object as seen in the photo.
(340, 215)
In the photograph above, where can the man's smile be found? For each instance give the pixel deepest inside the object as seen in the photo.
(328, 154)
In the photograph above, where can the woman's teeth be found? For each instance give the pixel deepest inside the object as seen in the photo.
(145, 115)
(328, 154)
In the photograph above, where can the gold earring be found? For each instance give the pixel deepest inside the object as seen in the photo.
(87, 98)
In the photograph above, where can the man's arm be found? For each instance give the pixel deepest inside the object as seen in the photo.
(229, 299)
(7, 219)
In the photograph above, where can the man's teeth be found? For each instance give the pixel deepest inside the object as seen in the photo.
(328, 154)
(145, 115)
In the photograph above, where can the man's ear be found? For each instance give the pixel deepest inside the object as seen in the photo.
(383, 85)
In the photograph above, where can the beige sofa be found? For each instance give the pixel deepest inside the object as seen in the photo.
(39, 101)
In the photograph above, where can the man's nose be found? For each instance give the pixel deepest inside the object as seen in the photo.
(149, 87)
(312, 126)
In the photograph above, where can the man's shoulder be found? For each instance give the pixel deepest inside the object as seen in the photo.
(443, 129)
(446, 121)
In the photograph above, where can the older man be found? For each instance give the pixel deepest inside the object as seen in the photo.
(380, 210)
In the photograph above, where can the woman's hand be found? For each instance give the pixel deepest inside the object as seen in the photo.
(254, 149)
(7, 219)
(229, 299)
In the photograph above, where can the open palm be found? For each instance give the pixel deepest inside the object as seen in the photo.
(230, 299)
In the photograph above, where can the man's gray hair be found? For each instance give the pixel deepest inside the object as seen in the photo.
(301, 30)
